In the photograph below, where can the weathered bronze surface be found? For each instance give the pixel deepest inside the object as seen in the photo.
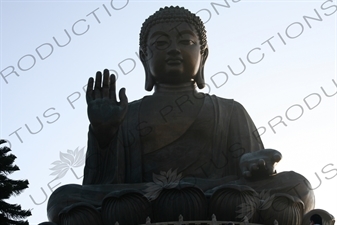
(176, 152)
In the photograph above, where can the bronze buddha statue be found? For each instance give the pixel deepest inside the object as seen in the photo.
(177, 151)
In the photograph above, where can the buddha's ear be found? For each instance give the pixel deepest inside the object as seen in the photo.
(199, 79)
(149, 81)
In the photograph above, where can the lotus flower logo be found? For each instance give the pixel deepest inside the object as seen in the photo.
(163, 180)
(67, 162)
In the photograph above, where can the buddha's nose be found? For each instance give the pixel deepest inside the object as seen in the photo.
(173, 49)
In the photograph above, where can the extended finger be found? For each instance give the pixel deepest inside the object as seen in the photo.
(89, 94)
(123, 99)
(105, 89)
(112, 89)
(98, 81)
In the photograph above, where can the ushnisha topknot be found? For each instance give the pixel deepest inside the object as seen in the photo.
(173, 14)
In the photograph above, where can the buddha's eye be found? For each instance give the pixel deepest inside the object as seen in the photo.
(187, 42)
(161, 44)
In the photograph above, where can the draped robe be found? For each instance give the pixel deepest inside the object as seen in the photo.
(199, 135)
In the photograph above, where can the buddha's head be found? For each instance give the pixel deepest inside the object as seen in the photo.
(173, 47)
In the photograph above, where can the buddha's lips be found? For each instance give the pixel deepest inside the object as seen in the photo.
(174, 61)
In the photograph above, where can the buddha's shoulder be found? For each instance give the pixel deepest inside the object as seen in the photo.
(224, 101)
(210, 99)
(135, 102)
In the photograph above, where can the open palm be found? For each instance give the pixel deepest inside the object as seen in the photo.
(104, 112)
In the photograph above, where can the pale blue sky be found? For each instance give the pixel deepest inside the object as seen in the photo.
(267, 89)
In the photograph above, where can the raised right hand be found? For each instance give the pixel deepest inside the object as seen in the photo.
(104, 112)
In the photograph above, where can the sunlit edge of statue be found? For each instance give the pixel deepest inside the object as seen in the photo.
(173, 50)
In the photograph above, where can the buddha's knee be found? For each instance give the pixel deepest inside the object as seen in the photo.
(298, 186)
(61, 198)
(290, 183)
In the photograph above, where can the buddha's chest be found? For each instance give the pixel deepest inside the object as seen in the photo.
(170, 118)
(183, 141)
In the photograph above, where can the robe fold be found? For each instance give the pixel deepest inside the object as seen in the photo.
(201, 137)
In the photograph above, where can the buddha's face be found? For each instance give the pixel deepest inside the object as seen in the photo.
(173, 53)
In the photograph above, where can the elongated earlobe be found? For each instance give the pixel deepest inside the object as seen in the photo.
(199, 78)
(149, 81)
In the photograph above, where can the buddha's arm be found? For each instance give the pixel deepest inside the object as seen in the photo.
(241, 138)
(243, 132)
(233, 135)
(106, 116)
(255, 161)
(102, 165)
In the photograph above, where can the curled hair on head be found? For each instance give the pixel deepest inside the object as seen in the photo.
(173, 14)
